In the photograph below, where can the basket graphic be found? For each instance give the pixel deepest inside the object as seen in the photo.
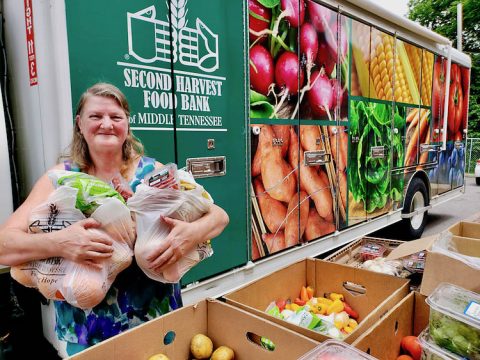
(149, 39)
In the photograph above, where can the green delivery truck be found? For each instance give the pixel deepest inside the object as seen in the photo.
(311, 123)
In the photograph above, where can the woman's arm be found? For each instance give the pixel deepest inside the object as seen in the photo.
(184, 236)
(75, 242)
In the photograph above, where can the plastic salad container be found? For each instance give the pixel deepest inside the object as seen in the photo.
(431, 351)
(455, 320)
(333, 349)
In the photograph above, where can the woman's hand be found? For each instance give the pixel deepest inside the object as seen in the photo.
(181, 239)
(82, 242)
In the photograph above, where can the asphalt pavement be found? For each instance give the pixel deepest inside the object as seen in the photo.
(464, 207)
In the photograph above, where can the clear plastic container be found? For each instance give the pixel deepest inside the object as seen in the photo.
(415, 263)
(455, 320)
(333, 349)
(431, 351)
(371, 251)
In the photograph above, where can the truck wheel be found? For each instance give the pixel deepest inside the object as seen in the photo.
(415, 198)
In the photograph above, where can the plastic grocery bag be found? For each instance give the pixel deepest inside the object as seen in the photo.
(188, 203)
(445, 245)
(92, 191)
(57, 278)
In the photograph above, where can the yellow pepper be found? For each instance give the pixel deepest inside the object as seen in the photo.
(288, 306)
(348, 329)
(352, 323)
(319, 308)
(335, 307)
(323, 300)
(295, 307)
(336, 296)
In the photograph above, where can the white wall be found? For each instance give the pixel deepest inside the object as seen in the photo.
(42, 113)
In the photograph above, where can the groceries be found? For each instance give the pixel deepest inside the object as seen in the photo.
(329, 315)
(80, 284)
(455, 320)
(175, 194)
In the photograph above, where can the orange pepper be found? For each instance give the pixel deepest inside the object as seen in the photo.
(304, 294)
(310, 291)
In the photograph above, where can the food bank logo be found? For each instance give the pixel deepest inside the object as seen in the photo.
(150, 39)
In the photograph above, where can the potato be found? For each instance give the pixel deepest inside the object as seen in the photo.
(282, 133)
(159, 357)
(201, 346)
(316, 226)
(310, 138)
(318, 190)
(223, 353)
(277, 176)
(273, 211)
(274, 242)
(296, 222)
(293, 151)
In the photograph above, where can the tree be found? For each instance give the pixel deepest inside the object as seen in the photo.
(441, 17)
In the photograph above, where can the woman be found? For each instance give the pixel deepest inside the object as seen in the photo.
(104, 146)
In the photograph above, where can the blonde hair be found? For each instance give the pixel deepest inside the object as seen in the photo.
(132, 147)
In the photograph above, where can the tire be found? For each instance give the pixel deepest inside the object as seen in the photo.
(416, 197)
(477, 180)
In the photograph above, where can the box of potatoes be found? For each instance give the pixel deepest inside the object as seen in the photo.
(209, 329)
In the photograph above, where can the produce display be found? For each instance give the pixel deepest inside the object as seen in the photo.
(329, 315)
(454, 320)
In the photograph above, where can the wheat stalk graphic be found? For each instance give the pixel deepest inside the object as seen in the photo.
(179, 13)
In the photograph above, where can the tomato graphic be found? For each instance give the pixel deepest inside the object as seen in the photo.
(438, 89)
(455, 100)
(465, 87)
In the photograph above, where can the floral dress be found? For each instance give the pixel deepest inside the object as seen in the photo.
(132, 299)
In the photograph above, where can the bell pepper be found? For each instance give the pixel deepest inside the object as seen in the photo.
(348, 309)
(310, 291)
(319, 308)
(352, 323)
(295, 307)
(348, 329)
(335, 296)
(300, 302)
(281, 304)
(304, 294)
(324, 301)
(335, 307)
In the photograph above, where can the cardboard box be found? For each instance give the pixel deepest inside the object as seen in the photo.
(408, 317)
(224, 324)
(466, 229)
(378, 292)
(441, 268)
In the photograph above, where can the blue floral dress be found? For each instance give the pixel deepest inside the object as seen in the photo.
(132, 299)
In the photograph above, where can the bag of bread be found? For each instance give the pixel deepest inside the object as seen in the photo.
(187, 202)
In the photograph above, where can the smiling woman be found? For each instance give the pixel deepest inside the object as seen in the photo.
(104, 146)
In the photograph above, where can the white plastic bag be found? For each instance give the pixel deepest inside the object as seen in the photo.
(187, 204)
(444, 245)
(57, 278)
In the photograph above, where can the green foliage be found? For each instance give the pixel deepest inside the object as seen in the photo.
(441, 17)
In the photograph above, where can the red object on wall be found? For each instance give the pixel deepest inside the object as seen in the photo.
(32, 59)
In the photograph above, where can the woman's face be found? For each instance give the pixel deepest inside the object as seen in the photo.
(103, 123)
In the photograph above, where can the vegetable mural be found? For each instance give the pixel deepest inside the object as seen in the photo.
(370, 103)
(298, 65)
(369, 181)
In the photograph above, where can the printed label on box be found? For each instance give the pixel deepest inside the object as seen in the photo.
(473, 310)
